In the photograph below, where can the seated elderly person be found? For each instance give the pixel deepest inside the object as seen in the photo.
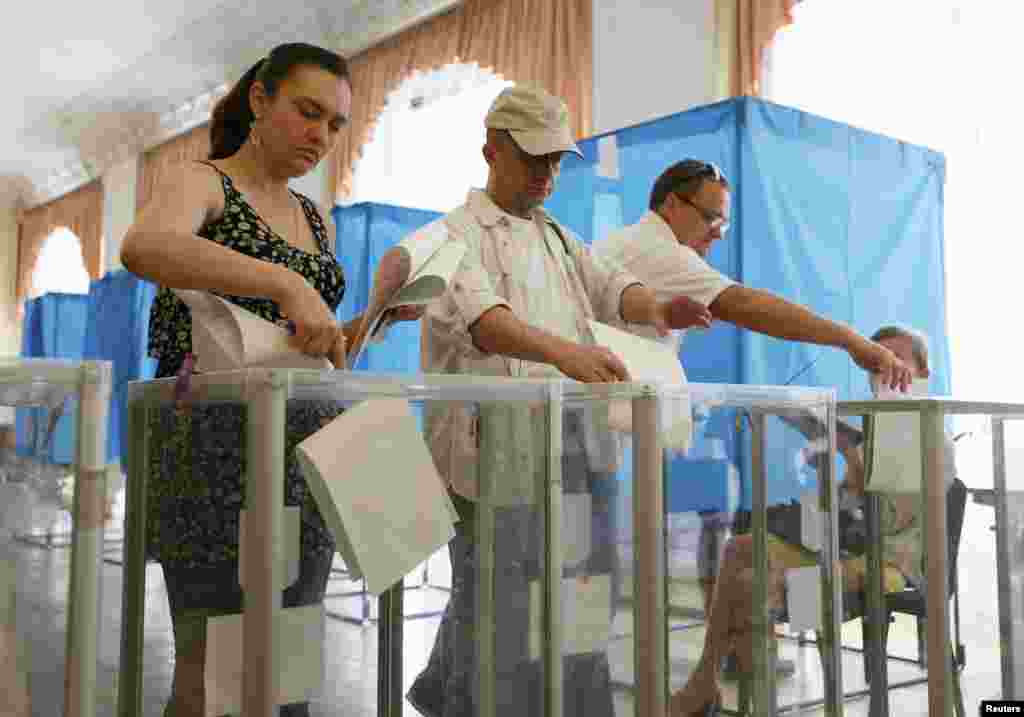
(730, 625)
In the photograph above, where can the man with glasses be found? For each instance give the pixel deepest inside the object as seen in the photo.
(667, 250)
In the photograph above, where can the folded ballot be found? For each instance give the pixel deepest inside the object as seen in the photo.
(652, 362)
(414, 272)
(378, 490)
(586, 615)
(226, 337)
(300, 659)
(894, 449)
(291, 526)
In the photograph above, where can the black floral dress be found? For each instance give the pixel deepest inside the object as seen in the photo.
(197, 457)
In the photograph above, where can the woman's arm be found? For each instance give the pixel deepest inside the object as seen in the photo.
(351, 328)
(163, 245)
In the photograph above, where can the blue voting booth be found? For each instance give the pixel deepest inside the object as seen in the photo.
(844, 221)
(109, 323)
(54, 327)
(365, 232)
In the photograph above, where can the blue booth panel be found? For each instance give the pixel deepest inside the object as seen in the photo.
(844, 221)
(365, 231)
(110, 323)
(118, 331)
(54, 327)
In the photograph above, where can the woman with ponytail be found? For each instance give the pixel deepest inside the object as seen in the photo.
(232, 226)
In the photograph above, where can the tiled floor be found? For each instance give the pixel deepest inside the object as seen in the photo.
(350, 690)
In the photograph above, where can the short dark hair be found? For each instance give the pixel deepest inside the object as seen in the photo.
(232, 117)
(918, 341)
(685, 178)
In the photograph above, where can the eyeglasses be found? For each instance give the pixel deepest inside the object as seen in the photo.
(694, 169)
(714, 220)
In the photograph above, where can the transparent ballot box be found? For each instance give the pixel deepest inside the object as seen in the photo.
(558, 510)
(61, 650)
(751, 536)
(1008, 463)
(913, 465)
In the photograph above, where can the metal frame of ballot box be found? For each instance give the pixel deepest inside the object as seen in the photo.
(265, 392)
(28, 383)
(932, 413)
(1008, 557)
(760, 403)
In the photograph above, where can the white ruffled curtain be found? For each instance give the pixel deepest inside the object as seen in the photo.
(934, 73)
(744, 32)
(425, 152)
(60, 267)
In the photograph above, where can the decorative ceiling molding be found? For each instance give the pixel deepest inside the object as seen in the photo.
(17, 191)
(93, 132)
(114, 138)
(370, 22)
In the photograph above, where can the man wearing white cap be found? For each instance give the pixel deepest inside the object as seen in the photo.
(519, 306)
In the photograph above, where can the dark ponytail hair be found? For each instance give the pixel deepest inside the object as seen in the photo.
(232, 118)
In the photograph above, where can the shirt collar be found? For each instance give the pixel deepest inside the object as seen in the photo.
(490, 214)
(659, 225)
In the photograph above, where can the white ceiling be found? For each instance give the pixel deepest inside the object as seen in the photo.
(91, 83)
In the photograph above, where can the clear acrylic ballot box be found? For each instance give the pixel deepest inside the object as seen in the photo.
(924, 446)
(31, 651)
(575, 533)
(1008, 474)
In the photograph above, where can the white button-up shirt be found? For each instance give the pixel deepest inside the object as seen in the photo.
(649, 249)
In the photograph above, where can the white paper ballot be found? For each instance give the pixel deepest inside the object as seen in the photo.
(918, 389)
(290, 524)
(803, 598)
(300, 659)
(415, 272)
(378, 490)
(896, 446)
(812, 526)
(586, 615)
(226, 337)
(577, 517)
(608, 157)
(649, 361)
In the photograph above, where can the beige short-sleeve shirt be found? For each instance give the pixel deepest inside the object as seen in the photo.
(525, 266)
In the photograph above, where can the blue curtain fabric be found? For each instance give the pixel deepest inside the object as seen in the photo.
(844, 221)
(55, 326)
(365, 231)
(110, 323)
(118, 331)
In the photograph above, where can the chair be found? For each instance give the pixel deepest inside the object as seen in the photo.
(909, 601)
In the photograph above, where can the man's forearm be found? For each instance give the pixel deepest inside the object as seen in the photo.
(499, 331)
(768, 314)
(351, 329)
(854, 471)
(638, 304)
